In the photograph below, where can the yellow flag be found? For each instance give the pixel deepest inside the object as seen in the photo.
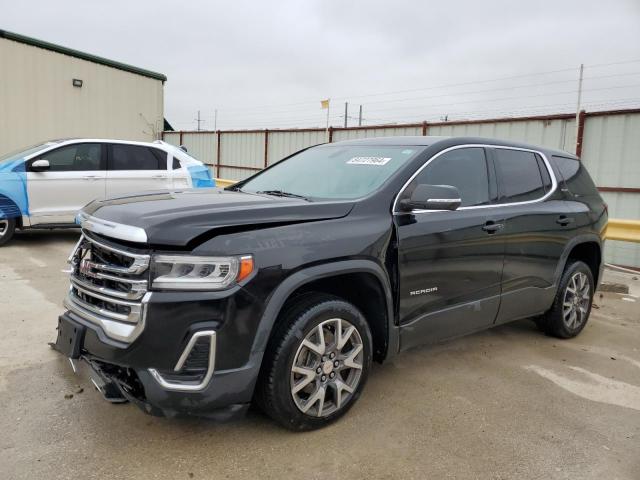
(324, 103)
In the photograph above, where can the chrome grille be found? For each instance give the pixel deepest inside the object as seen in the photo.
(109, 287)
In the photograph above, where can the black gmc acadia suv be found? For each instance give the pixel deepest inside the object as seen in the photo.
(283, 288)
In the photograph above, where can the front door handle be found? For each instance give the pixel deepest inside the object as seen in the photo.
(564, 220)
(492, 227)
(91, 177)
(159, 176)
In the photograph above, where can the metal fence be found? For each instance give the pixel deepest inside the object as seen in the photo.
(607, 142)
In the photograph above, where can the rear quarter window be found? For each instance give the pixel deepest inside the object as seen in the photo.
(575, 176)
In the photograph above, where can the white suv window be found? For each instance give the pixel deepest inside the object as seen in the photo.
(137, 157)
(75, 158)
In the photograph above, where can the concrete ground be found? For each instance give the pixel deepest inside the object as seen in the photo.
(505, 403)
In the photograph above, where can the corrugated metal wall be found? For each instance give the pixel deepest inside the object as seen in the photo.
(202, 146)
(351, 134)
(283, 144)
(610, 149)
(241, 149)
(38, 101)
(611, 152)
(559, 133)
(172, 137)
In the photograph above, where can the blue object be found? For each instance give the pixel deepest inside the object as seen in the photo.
(14, 201)
(201, 176)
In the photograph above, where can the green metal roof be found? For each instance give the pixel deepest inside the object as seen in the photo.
(78, 54)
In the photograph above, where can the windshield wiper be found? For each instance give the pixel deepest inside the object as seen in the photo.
(280, 193)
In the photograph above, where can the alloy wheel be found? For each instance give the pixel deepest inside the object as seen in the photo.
(4, 227)
(576, 300)
(327, 368)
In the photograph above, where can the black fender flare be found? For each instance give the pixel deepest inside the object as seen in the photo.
(571, 244)
(278, 298)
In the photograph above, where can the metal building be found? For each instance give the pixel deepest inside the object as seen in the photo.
(48, 91)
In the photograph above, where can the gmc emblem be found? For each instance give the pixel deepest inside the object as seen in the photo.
(85, 268)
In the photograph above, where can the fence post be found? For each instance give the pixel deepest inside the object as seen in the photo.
(180, 141)
(580, 135)
(218, 162)
(424, 129)
(330, 134)
(266, 148)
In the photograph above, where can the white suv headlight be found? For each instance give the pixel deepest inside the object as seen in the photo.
(188, 272)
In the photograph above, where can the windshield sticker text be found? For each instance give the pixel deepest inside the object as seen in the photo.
(377, 161)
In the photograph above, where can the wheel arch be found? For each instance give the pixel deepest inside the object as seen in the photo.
(328, 278)
(586, 248)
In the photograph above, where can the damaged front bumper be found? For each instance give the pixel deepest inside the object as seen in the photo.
(192, 388)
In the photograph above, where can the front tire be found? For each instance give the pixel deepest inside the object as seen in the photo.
(316, 364)
(7, 229)
(572, 305)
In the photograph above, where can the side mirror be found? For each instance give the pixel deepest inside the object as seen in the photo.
(41, 165)
(432, 197)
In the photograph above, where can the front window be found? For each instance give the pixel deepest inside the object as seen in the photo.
(77, 157)
(463, 168)
(333, 171)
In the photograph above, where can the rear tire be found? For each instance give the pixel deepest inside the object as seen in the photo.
(316, 364)
(7, 229)
(572, 305)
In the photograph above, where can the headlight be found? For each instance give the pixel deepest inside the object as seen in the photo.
(187, 272)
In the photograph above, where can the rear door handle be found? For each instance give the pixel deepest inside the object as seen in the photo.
(564, 220)
(159, 176)
(91, 177)
(492, 227)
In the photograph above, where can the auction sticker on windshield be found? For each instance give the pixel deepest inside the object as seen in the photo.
(378, 161)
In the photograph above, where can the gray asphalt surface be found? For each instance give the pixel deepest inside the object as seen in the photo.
(505, 403)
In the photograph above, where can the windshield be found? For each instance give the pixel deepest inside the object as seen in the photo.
(11, 156)
(333, 172)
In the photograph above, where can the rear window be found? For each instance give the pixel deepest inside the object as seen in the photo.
(136, 157)
(161, 155)
(520, 176)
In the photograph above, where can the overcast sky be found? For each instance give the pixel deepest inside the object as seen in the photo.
(269, 63)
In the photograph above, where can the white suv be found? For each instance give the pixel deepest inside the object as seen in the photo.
(44, 186)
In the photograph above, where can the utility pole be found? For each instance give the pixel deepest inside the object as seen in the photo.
(360, 117)
(346, 113)
(326, 104)
(198, 120)
(579, 101)
(215, 120)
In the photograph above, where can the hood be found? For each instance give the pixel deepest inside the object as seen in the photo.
(176, 218)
